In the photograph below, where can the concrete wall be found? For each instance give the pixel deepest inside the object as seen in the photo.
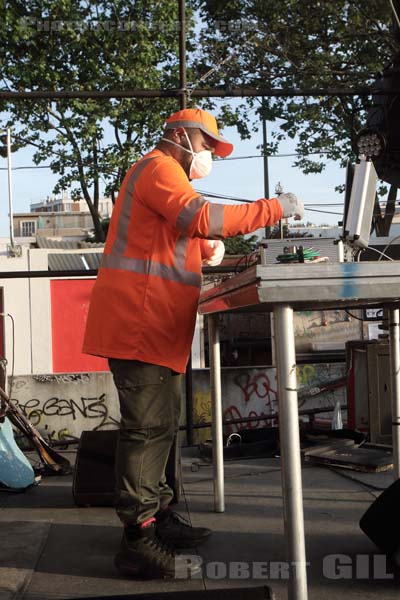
(68, 403)
(71, 403)
(252, 392)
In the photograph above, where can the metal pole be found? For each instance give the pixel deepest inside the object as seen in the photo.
(265, 160)
(394, 339)
(290, 451)
(200, 93)
(10, 194)
(278, 192)
(183, 103)
(216, 405)
(182, 54)
(189, 402)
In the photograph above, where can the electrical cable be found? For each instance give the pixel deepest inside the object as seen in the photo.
(387, 246)
(353, 316)
(396, 16)
(268, 156)
(326, 212)
(85, 162)
(233, 199)
(22, 168)
(11, 379)
(192, 87)
(369, 486)
(381, 253)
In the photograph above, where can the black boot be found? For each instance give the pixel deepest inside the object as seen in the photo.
(142, 554)
(174, 530)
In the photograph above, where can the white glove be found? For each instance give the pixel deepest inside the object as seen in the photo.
(215, 253)
(291, 205)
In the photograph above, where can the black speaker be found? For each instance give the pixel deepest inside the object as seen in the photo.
(94, 477)
(381, 522)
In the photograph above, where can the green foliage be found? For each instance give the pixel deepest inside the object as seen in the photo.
(114, 44)
(305, 45)
(93, 237)
(102, 45)
(240, 245)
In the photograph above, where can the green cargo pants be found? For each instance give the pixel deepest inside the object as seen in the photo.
(150, 399)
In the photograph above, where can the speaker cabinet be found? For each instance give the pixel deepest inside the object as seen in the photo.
(381, 522)
(94, 477)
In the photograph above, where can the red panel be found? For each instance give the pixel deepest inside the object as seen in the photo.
(69, 308)
(1, 325)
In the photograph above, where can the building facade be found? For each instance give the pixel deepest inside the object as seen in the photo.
(58, 218)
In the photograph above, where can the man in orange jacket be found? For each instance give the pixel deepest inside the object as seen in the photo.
(142, 316)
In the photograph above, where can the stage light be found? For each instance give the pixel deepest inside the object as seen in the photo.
(380, 140)
(370, 143)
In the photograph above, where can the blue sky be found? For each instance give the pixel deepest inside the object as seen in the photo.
(242, 178)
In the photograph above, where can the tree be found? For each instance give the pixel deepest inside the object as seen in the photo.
(240, 245)
(304, 45)
(102, 45)
(114, 44)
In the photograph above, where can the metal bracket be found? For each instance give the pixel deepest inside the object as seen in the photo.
(14, 251)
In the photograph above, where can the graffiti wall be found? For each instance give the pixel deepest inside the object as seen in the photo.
(252, 393)
(67, 404)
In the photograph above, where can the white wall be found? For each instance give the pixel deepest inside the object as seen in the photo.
(16, 303)
(198, 361)
(29, 303)
(40, 310)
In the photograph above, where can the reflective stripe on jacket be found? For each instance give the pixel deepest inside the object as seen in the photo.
(144, 301)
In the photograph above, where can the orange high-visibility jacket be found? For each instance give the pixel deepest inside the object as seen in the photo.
(144, 302)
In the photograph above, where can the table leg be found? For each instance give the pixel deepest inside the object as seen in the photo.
(216, 405)
(290, 451)
(395, 386)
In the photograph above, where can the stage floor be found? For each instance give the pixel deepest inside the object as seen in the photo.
(51, 549)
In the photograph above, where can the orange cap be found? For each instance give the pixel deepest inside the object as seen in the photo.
(195, 117)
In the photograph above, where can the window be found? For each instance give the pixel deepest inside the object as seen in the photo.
(27, 228)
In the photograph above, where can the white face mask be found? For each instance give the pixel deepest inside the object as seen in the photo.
(201, 164)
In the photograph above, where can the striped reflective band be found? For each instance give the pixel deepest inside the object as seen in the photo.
(216, 217)
(196, 125)
(121, 239)
(148, 267)
(189, 212)
(216, 221)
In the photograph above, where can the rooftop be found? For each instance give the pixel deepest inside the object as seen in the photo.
(51, 549)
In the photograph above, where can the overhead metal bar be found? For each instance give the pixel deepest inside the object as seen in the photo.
(48, 274)
(196, 93)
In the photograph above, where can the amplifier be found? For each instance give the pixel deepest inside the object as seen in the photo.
(94, 477)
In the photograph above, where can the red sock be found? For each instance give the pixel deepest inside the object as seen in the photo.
(147, 522)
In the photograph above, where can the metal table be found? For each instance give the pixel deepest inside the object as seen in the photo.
(282, 289)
